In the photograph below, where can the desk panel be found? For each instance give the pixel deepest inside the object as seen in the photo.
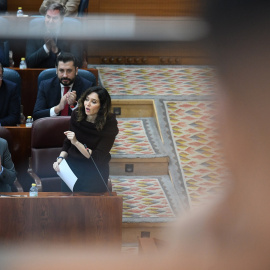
(62, 218)
(21, 151)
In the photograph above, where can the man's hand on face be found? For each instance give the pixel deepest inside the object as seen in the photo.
(71, 98)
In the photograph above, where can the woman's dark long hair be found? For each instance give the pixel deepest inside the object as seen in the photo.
(105, 106)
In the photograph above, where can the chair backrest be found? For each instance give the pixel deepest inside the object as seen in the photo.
(51, 72)
(4, 53)
(46, 143)
(14, 76)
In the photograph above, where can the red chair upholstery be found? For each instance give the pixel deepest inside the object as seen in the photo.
(47, 140)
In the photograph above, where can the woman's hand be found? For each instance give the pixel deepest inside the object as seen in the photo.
(71, 136)
(63, 155)
(56, 165)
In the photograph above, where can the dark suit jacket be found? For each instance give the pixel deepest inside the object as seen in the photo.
(8, 176)
(36, 57)
(49, 95)
(9, 104)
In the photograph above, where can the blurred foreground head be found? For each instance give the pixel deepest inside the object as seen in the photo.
(239, 43)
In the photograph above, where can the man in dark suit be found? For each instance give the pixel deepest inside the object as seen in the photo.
(7, 170)
(9, 102)
(57, 96)
(42, 52)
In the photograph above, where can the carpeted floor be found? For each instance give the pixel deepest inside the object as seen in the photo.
(157, 81)
(195, 142)
(183, 99)
(137, 138)
(146, 198)
(132, 138)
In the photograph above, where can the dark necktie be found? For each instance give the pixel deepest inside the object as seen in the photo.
(64, 112)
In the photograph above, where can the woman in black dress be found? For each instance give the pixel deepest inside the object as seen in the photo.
(91, 125)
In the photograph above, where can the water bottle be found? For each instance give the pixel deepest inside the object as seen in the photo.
(33, 191)
(29, 121)
(22, 117)
(23, 63)
(19, 12)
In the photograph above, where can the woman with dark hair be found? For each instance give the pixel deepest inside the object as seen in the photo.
(92, 125)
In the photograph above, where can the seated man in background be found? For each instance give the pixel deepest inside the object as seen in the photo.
(3, 6)
(71, 6)
(7, 170)
(9, 102)
(57, 96)
(43, 51)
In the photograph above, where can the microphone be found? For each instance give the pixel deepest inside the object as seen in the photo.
(98, 170)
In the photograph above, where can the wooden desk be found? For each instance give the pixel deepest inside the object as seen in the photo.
(29, 87)
(21, 137)
(56, 217)
(20, 152)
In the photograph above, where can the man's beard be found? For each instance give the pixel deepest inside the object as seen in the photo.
(69, 81)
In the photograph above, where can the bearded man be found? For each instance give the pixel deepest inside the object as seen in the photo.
(58, 96)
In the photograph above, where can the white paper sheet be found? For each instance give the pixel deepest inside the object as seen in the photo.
(67, 175)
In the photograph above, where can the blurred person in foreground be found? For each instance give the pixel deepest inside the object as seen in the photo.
(9, 101)
(3, 6)
(42, 52)
(58, 96)
(71, 6)
(234, 233)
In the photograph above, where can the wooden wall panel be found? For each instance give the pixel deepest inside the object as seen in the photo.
(136, 7)
(146, 7)
(146, 53)
(28, 6)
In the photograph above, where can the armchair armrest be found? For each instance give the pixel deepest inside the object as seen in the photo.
(36, 179)
(18, 186)
(34, 176)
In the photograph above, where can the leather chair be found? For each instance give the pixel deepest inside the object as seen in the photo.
(47, 141)
(46, 144)
(14, 76)
(5, 134)
(51, 72)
